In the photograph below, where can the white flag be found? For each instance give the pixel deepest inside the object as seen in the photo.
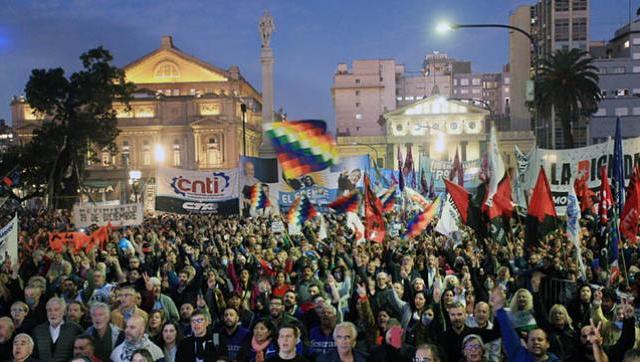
(573, 226)
(355, 224)
(322, 233)
(449, 219)
(9, 240)
(496, 166)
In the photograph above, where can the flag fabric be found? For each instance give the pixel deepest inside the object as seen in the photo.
(258, 197)
(605, 200)
(408, 163)
(9, 240)
(448, 222)
(346, 203)
(423, 184)
(432, 188)
(355, 224)
(300, 211)
(415, 198)
(541, 216)
(522, 164)
(457, 171)
(573, 228)
(420, 222)
(400, 175)
(468, 208)
(374, 221)
(631, 211)
(302, 146)
(502, 204)
(388, 199)
(483, 175)
(497, 170)
(584, 194)
(618, 169)
(12, 178)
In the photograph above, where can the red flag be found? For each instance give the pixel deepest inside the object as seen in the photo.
(502, 204)
(457, 171)
(461, 199)
(631, 211)
(584, 194)
(98, 238)
(541, 216)
(605, 197)
(374, 221)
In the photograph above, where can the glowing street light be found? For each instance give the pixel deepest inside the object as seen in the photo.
(444, 27)
(158, 153)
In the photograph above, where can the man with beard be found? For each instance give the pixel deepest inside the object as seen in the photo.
(199, 346)
(105, 335)
(76, 313)
(186, 311)
(278, 317)
(37, 309)
(135, 339)
(246, 316)
(186, 290)
(291, 305)
(321, 340)
(231, 334)
(592, 343)
(68, 290)
(54, 339)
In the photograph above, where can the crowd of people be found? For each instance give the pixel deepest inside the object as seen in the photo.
(213, 288)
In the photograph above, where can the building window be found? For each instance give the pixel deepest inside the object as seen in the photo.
(146, 153)
(176, 153)
(636, 69)
(622, 111)
(357, 81)
(167, 70)
(506, 89)
(464, 91)
(106, 158)
(358, 115)
(562, 29)
(579, 5)
(455, 82)
(399, 99)
(636, 40)
(475, 91)
(475, 81)
(618, 70)
(636, 92)
(636, 56)
(626, 44)
(562, 5)
(357, 92)
(579, 30)
(464, 81)
(214, 156)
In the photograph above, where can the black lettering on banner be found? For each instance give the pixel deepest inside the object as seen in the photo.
(566, 174)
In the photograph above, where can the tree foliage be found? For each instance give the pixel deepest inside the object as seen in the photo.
(79, 117)
(568, 83)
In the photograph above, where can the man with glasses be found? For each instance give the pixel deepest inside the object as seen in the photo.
(128, 308)
(200, 346)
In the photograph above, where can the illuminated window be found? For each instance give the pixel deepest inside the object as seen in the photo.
(167, 70)
(106, 158)
(213, 151)
(176, 153)
(146, 153)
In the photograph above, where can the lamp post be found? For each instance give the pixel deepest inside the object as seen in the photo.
(445, 27)
(243, 109)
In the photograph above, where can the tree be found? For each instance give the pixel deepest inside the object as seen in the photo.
(568, 83)
(79, 118)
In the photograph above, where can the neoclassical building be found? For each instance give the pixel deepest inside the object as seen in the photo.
(186, 113)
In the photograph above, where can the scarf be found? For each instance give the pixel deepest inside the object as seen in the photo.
(128, 348)
(259, 348)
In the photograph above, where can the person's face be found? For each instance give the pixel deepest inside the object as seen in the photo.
(261, 332)
(235, 302)
(128, 298)
(98, 279)
(21, 348)
(134, 330)
(345, 341)
(186, 310)
(537, 343)
(433, 262)
(183, 278)
(481, 313)
(169, 334)
(199, 325)
(155, 321)
(68, 286)
(522, 300)
(156, 289)
(134, 263)
(280, 279)
(314, 291)
(381, 281)
(585, 295)
(558, 318)
(419, 301)
(457, 317)
(18, 313)
(585, 333)
(473, 350)
(399, 288)
(249, 170)
(287, 340)
(354, 176)
(99, 318)
(424, 355)
(138, 357)
(134, 275)
(74, 312)
(607, 303)
(328, 317)
(448, 297)
(82, 348)
(55, 314)
(419, 286)
(308, 273)
(276, 308)
(619, 314)
(290, 299)
(5, 331)
(231, 318)
(383, 319)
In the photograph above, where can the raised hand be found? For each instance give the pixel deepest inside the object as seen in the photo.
(361, 290)
(595, 337)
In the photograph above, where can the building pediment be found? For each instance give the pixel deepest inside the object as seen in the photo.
(437, 106)
(208, 122)
(170, 65)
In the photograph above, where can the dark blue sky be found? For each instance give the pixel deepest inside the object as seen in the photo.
(311, 37)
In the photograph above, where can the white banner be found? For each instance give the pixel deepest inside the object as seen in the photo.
(564, 166)
(118, 215)
(184, 191)
(9, 240)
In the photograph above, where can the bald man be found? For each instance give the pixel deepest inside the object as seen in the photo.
(135, 339)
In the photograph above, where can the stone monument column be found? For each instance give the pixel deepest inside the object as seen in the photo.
(266, 27)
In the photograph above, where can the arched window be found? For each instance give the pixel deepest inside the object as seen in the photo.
(166, 70)
(176, 152)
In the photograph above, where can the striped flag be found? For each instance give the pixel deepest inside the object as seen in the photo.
(420, 222)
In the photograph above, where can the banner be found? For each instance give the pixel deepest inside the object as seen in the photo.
(323, 187)
(117, 215)
(564, 166)
(183, 191)
(252, 171)
(439, 169)
(9, 240)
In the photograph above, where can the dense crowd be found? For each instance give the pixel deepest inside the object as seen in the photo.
(210, 288)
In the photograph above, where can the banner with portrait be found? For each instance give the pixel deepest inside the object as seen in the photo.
(564, 166)
(183, 191)
(258, 170)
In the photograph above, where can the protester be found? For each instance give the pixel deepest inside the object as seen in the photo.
(288, 338)
(23, 348)
(54, 338)
(135, 339)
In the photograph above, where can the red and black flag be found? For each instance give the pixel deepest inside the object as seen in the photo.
(541, 216)
(468, 207)
(374, 221)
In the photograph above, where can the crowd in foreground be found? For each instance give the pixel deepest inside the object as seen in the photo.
(209, 288)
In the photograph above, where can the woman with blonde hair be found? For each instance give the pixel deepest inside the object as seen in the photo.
(562, 337)
(521, 312)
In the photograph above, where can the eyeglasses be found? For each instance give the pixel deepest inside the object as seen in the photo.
(198, 320)
(473, 347)
(422, 359)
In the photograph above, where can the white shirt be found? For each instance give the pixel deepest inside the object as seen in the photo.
(55, 332)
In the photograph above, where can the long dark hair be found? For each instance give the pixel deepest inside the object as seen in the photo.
(179, 336)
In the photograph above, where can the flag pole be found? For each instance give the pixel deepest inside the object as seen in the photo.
(624, 264)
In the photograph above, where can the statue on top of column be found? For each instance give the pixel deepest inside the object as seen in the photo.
(266, 27)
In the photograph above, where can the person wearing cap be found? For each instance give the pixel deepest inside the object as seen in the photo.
(154, 299)
(473, 348)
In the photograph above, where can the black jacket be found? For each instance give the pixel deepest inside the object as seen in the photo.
(202, 347)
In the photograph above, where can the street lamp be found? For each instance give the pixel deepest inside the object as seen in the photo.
(445, 27)
(134, 177)
(243, 109)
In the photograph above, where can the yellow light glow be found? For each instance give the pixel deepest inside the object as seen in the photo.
(440, 143)
(158, 153)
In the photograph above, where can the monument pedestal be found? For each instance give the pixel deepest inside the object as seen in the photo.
(266, 59)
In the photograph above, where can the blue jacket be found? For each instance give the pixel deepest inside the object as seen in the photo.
(511, 342)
